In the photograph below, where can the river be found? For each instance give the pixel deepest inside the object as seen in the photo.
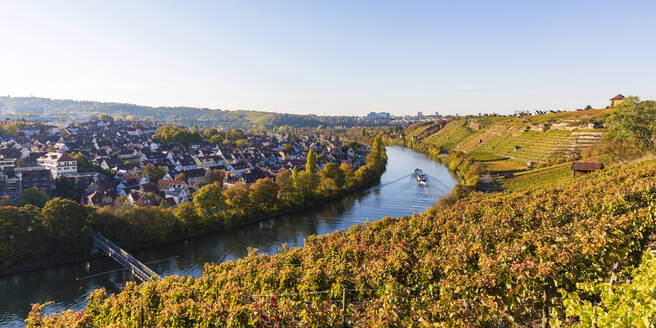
(68, 286)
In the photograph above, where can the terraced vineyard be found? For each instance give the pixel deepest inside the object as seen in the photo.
(451, 135)
(499, 127)
(540, 146)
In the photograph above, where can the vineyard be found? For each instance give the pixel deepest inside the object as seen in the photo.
(499, 260)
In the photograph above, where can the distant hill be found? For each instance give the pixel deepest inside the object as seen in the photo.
(176, 115)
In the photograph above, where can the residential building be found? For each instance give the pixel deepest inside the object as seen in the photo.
(58, 164)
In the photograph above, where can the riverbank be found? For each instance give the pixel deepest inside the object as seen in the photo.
(398, 194)
(62, 261)
(64, 226)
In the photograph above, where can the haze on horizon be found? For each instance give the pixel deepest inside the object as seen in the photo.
(334, 58)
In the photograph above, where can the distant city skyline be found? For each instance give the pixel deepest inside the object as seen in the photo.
(331, 58)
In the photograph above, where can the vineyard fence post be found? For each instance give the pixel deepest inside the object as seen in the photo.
(344, 307)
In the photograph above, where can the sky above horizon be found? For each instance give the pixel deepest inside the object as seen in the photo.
(331, 57)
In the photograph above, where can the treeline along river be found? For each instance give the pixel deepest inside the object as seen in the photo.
(68, 286)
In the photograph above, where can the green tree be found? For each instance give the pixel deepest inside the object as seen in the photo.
(64, 188)
(84, 165)
(349, 176)
(288, 148)
(34, 196)
(634, 119)
(263, 195)
(311, 163)
(237, 201)
(21, 234)
(332, 171)
(154, 173)
(327, 187)
(286, 191)
(217, 139)
(209, 200)
(68, 226)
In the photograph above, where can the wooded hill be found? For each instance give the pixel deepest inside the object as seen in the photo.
(188, 116)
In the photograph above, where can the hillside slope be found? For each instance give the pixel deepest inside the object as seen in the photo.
(480, 262)
(177, 115)
(510, 144)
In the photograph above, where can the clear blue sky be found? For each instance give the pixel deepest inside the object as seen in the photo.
(331, 57)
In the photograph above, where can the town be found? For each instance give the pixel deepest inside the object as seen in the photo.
(97, 161)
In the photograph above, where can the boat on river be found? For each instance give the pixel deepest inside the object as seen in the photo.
(420, 176)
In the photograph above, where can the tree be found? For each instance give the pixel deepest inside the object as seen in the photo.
(181, 177)
(209, 200)
(332, 171)
(241, 143)
(286, 191)
(84, 165)
(68, 226)
(633, 119)
(237, 200)
(288, 148)
(349, 176)
(311, 164)
(263, 195)
(20, 234)
(64, 188)
(155, 173)
(168, 134)
(217, 139)
(217, 176)
(327, 187)
(105, 118)
(34, 196)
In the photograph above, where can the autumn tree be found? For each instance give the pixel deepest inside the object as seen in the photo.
(181, 177)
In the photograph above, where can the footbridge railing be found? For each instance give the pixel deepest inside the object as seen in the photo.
(129, 262)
